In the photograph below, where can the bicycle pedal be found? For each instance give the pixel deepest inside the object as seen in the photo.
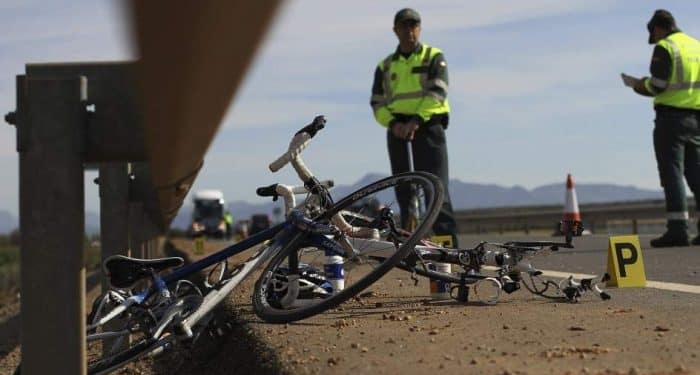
(572, 294)
(511, 286)
(217, 333)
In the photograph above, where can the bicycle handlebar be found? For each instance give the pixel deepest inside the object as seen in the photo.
(293, 155)
(570, 228)
(535, 245)
(287, 192)
(274, 189)
(298, 144)
(318, 123)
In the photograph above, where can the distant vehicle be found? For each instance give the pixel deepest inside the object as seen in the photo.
(259, 222)
(208, 215)
(240, 229)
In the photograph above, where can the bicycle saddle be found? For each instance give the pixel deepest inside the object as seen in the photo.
(123, 271)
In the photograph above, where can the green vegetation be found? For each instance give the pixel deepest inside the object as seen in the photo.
(9, 259)
(9, 262)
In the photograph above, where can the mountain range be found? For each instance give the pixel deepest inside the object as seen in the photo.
(464, 195)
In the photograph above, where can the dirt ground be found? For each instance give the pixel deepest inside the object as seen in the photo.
(397, 329)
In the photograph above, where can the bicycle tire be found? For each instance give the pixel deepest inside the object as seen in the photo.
(269, 291)
(139, 344)
(133, 352)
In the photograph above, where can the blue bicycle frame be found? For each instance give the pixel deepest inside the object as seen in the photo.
(221, 255)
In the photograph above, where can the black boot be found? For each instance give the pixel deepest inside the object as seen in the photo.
(676, 235)
(670, 240)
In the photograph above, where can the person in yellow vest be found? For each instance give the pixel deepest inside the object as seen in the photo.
(228, 219)
(409, 98)
(675, 85)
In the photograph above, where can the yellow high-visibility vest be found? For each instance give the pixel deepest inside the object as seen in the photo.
(407, 87)
(683, 87)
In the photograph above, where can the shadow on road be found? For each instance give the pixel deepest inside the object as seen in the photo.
(237, 351)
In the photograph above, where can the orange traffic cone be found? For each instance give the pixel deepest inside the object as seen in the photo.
(571, 204)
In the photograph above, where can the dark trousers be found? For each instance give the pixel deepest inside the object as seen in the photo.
(677, 149)
(429, 155)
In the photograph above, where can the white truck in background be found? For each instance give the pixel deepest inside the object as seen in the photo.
(209, 215)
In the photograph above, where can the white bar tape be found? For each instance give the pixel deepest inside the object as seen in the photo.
(296, 146)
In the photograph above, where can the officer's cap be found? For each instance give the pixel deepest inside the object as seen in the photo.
(406, 14)
(661, 18)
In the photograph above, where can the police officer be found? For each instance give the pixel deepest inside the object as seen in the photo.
(675, 86)
(409, 98)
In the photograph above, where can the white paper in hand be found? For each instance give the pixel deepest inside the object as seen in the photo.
(629, 81)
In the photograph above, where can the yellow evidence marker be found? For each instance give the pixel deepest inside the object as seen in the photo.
(625, 264)
(443, 240)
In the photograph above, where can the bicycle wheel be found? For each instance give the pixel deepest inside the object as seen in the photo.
(301, 280)
(128, 336)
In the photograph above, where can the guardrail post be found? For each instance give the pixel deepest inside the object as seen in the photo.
(113, 184)
(151, 234)
(50, 142)
(136, 233)
(114, 210)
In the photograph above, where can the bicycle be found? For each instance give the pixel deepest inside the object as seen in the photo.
(147, 310)
(274, 303)
(294, 283)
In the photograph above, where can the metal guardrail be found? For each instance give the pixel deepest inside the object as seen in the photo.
(597, 217)
(151, 120)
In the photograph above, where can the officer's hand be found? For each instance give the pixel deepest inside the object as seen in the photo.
(411, 128)
(397, 129)
(404, 130)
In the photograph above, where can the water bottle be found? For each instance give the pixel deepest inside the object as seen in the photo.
(334, 271)
(440, 290)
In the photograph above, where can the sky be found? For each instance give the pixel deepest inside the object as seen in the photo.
(535, 88)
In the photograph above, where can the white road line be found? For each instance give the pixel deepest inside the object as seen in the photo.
(674, 286)
(677, 287)
(650, 284)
